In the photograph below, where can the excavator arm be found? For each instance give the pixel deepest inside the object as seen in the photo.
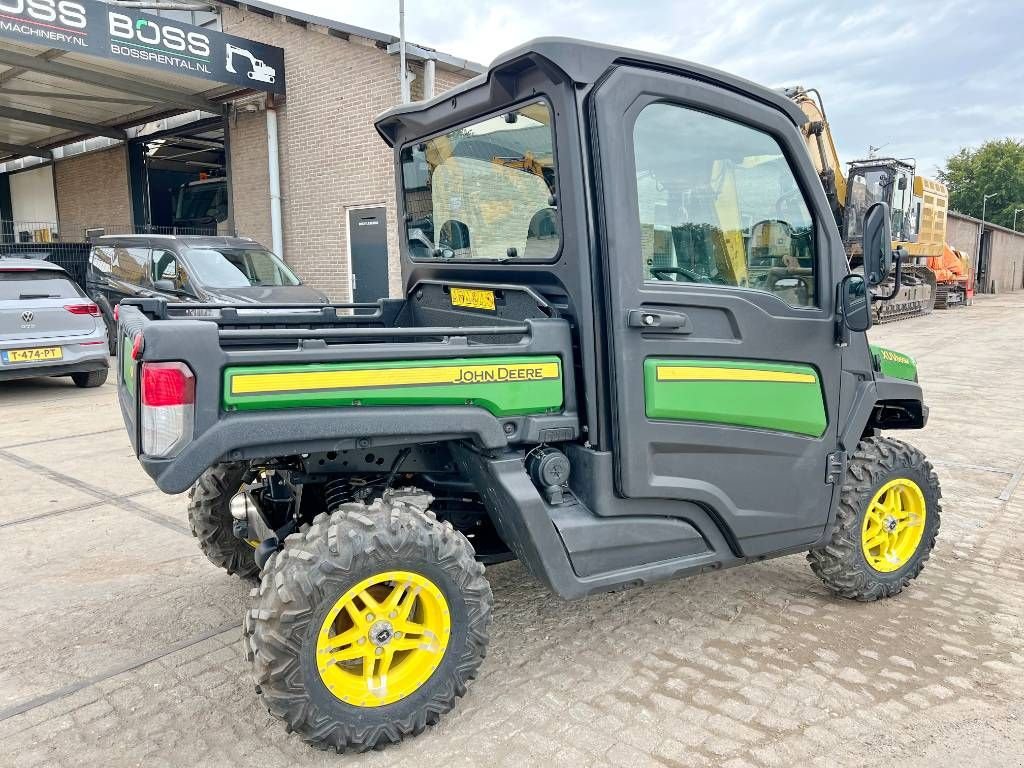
(821, 147)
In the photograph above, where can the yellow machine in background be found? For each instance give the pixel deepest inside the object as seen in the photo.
(934, 275)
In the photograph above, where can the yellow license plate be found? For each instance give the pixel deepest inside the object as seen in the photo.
(473, 298)
(36, 355)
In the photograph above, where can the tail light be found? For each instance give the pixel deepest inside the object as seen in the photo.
(117, 312)
(83, 309)
(168, 408)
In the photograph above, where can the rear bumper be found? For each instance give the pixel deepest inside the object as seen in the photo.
(79, 357)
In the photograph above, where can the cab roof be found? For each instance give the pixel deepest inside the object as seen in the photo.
(583, 63)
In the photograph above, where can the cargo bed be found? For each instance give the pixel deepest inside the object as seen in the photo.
(280, 380)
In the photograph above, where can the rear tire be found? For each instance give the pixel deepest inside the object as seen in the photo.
(301, 590)
(878, 463)
(209, 515)
(90, 379)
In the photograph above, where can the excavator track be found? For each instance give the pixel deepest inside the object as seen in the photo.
(949, 296)
(916, 296)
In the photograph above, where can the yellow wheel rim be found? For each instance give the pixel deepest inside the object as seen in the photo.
(383, 639)
(893, 525)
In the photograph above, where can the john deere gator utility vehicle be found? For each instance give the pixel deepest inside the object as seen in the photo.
(629, 349)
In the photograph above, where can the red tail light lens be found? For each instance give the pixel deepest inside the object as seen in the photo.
(83, 309)
(168, 408)
(117, 313)
(137, 346)
(167, 384)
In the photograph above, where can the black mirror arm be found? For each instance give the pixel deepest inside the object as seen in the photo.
(842, 329)
(898, 274)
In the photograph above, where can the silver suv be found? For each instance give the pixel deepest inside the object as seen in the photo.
(48, 327)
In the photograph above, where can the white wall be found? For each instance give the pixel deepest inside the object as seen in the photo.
(32, 197)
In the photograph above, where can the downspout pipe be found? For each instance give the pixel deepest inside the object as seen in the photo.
(428, 79)
(274, 168)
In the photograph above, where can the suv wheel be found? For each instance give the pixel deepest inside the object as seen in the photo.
(369, 626)
(209, 515)
(886, 524)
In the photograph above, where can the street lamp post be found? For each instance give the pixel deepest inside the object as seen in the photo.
(981, 230)
(1015, 212)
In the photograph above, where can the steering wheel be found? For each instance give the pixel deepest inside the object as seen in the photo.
(693, 278)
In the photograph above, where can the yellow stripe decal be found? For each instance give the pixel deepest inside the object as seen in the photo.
(311, 381)
(700, 373)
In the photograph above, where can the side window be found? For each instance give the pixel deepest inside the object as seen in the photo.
(165, 266)
(719, 204)
(102, 259)
(130, 265)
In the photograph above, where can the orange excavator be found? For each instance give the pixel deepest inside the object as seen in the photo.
(935, 275)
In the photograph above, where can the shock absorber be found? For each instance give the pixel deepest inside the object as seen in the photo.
(337, 492)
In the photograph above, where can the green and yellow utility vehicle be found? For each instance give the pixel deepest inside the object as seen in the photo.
(629, 349)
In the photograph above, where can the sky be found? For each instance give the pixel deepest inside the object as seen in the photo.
(916, 78)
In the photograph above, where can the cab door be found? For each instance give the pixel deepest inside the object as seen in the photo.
(719, 255)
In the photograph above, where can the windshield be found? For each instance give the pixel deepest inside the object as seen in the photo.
(485, 190)
(238, 267)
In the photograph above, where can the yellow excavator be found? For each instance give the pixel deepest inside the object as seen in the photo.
(935, 275)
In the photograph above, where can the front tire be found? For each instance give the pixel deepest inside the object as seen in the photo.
(888, 518)
(368, 627)
(209, 516)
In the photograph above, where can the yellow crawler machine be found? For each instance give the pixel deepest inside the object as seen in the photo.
(918, 216)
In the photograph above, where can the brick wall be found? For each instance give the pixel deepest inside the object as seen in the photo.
(92, 190)
(250, 181)
(331, 156)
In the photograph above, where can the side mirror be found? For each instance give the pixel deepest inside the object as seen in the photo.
(854, 301)
(877, 243)
(166, 286)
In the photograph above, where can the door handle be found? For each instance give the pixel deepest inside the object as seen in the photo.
(675, 322)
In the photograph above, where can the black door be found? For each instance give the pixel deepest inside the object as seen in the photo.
(720, 267)
(368, 244)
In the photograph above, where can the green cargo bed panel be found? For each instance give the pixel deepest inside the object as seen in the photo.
(505, 386)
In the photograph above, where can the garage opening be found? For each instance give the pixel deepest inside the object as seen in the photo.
(185, 185)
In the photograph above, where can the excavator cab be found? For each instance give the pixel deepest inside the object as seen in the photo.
(885, 180)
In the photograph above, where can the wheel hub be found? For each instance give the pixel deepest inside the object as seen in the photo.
(893, 525)
(381, 633)
(383, 638)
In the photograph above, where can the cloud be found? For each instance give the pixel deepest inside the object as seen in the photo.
(922, 77)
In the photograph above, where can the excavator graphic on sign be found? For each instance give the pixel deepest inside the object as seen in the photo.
(257, 71)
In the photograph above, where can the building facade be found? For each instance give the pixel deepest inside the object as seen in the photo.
(332, 170)
(997, 255)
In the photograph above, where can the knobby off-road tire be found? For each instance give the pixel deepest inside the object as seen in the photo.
(302, 583)
(209, 515)
(90, 379)
(842, 563)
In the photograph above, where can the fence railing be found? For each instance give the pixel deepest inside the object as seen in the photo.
(42, 232)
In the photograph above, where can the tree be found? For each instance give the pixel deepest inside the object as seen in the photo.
(996, 166)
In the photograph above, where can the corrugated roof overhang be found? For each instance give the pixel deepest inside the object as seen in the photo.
(76, 69)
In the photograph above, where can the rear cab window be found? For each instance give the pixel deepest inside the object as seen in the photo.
(23, 285)
(484, 191)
